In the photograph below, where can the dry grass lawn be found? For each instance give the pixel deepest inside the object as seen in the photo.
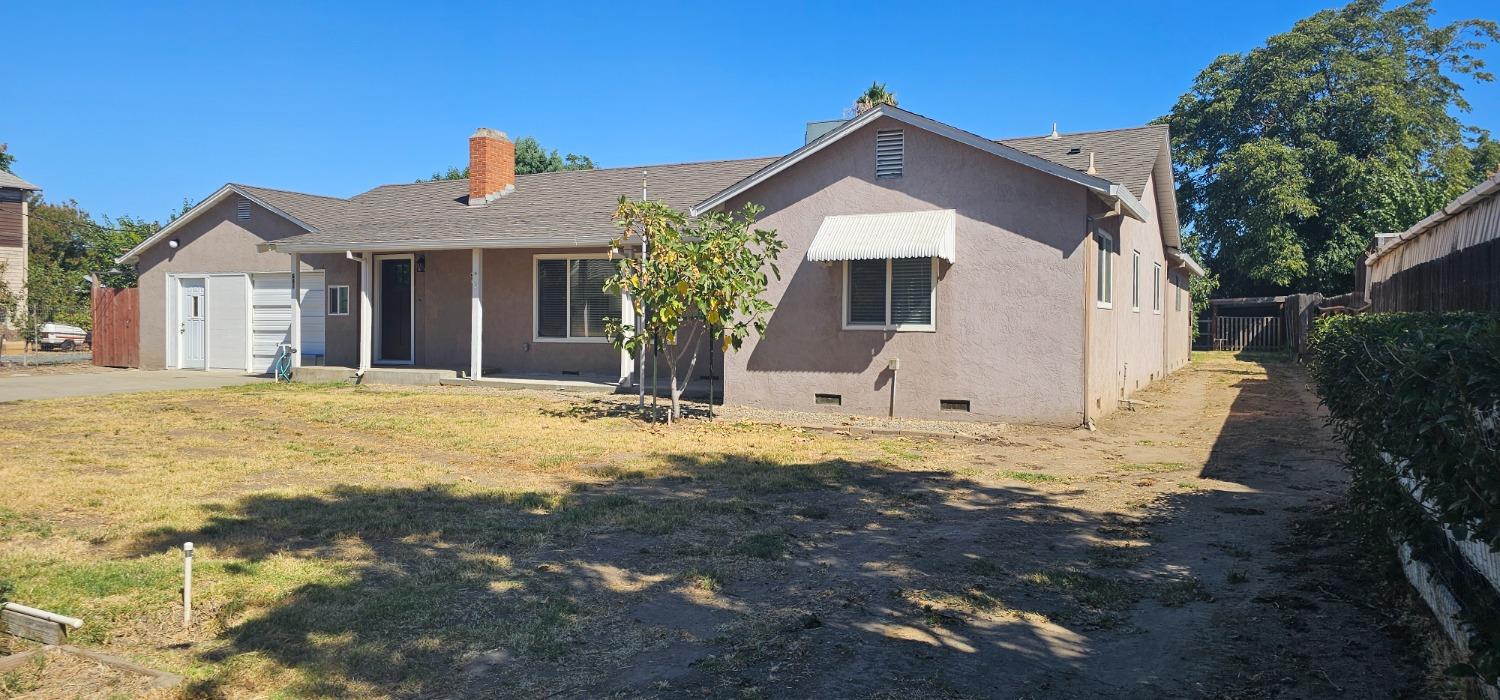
(460, 542)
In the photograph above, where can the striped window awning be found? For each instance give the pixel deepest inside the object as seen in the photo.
(911, 234)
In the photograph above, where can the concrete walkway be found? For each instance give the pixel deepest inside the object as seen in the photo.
(120, 381)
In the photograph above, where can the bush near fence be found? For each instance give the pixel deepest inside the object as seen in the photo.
(1415, 398)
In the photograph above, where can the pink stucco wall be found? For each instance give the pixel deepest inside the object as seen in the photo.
(1008, 313)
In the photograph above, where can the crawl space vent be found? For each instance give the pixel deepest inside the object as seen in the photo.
(828, 399)
(954, 405)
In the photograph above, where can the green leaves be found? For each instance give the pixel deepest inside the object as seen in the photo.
(1292, 156)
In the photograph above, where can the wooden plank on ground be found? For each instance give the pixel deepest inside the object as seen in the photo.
(33, 628)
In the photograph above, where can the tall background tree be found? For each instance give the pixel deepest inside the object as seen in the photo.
(1292, 156)
(876, 94)
(530, 158)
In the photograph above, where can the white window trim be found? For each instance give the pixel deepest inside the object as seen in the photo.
(888, 326)
(1156, 290)
(1135, 281)
(1106, 269)
(329, 296)
(536, 301)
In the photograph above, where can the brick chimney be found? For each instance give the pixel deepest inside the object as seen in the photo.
(492, 166)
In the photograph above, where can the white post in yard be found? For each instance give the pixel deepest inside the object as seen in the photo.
(296, 333)
(476, 315)
(366, 279)
(187, 584)
(627, 363)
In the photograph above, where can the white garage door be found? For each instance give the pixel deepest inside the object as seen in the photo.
(271, 316)
(227, 322)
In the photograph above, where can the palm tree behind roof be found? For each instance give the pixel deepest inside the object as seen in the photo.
(875, 95)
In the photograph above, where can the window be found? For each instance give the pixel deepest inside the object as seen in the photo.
(1177, 292)
(890, 153)
(1156, 288)
(1135, 281)
(338, 300)
(1104, 281)
(571, 303)
(890, 294)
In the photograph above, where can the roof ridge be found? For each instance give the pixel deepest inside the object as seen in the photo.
(1142, 127)
(581, 170)
(277, 189)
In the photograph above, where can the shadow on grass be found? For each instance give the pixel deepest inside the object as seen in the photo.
(717, 574)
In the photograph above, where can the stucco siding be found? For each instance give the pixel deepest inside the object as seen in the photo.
(1008, 312)
(213, 242)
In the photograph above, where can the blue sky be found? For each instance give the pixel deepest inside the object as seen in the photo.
(131, 107)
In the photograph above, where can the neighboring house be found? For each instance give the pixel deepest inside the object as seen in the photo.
(15, 226)
(1033, 279)
(1449, 261)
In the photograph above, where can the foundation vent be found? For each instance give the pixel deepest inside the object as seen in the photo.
(954, 405)
(828, 399)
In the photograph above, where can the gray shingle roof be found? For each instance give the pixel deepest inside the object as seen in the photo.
(1124, 156)
(315, 210)
(569, 208)
(10, 181)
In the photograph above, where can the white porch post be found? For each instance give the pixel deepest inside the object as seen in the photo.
(366, 310)
(296, 332)
(627, 363)
(476, 315)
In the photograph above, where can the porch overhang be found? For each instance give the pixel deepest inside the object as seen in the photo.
(495, 243)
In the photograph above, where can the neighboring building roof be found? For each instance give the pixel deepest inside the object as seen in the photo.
(1480, 192)
(10, 181)
(1110, 192)
(907, 234)
(567, 208)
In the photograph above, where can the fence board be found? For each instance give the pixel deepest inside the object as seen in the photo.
(117, 338)
(1464, 280)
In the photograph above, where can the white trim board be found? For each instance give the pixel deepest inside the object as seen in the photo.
(1111, 192)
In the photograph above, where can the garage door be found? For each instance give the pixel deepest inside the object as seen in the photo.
(271, 316)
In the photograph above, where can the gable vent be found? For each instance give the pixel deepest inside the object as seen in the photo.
(890, 153)
(243, 211)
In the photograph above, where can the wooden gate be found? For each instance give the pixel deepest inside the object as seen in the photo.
(117, 333)
(1248, 333)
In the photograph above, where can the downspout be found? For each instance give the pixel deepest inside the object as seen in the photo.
(1089, 254)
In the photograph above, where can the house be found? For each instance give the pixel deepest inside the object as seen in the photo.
(928, 272)
(15, 220)
(1449, 261)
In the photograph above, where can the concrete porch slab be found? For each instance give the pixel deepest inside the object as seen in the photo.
(561, 383)
(402, 376)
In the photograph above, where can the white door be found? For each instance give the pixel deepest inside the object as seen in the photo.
(193, 310)
(271, 316)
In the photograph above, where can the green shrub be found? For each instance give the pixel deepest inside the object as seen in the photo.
(1418, 395)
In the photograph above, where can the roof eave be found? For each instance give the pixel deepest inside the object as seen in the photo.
(134, 254)
(1103, 187)
(292, 246)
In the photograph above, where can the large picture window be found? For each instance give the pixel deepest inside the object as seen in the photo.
(571, 303)
(890, 294)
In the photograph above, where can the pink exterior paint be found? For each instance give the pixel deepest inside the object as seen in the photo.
(1009, 318)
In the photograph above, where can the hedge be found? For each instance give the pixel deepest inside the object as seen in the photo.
(1417, 395)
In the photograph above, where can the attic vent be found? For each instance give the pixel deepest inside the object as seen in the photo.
(243, 211)
(890, 153)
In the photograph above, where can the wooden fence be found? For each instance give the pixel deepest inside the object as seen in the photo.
(1464, 280)
(117, 333)
(1248, 333)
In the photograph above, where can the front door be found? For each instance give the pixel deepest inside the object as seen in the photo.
(194, 314)
(394, 281)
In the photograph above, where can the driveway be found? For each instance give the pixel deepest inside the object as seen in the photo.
(97, 381)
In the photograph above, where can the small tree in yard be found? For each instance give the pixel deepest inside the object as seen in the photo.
(700, 276)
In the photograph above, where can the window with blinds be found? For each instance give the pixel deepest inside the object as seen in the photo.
(890, 153)
(570, 299)
(889, 294)
(1135, 281)
(1104, 269)
(1156, 287)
